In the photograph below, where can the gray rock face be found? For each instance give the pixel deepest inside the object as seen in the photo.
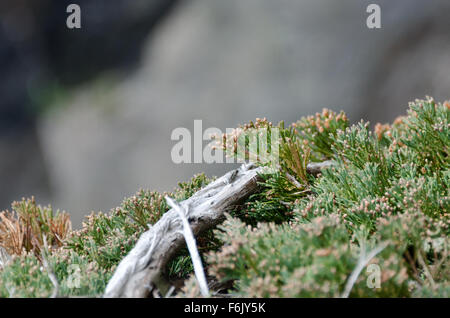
(227, 62)
(38, 53)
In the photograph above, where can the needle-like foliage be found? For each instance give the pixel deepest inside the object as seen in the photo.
(374, 224)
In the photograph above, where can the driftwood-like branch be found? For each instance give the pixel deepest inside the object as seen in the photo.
(141, 271)
(314, 168)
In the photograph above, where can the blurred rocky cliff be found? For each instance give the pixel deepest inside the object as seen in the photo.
(94, 108)
(40, 58)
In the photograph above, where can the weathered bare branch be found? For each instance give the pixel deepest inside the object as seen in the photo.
(314, 168)
(141, 271)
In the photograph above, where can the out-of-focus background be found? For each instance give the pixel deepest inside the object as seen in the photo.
(86, 114)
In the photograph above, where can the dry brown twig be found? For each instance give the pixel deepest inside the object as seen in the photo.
(12, 233)
(23, 228)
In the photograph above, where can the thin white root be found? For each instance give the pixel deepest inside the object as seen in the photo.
(4, 257)
(170, 292)
(49, 270)
(192, 246)
(362, 262)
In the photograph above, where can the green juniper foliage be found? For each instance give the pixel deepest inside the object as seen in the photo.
(96, 249)
(392, 186)
(386, 196)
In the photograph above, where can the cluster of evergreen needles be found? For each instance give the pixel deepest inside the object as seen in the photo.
(374, 224)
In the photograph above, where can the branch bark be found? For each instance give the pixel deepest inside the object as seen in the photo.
(141, 271)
